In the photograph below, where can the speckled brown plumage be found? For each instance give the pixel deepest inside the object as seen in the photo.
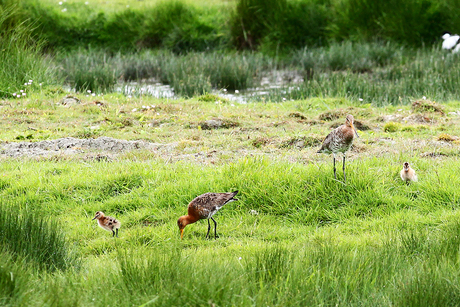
(107, 222)
(340, 140)
(204, 207)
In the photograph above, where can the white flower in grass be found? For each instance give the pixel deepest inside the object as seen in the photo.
(21, 91)
(60, 2)
(240, 258)
(237, 91)
(64, 10)
(424, 97)
(224, 89)
(89, 91)
(284, 99)
(360, 99)
(158, 113)
(133, 110)
(25, 83)
(40, 84)
(23, 94)
(14, 94)
(86, 3)
(232, 105)
(31, 81)
(93, 94)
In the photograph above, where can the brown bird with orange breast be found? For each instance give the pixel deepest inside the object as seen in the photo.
(107, 222)
(340, 140)
(204, 207)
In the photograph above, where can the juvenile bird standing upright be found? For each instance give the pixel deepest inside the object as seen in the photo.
(204, 207)
(107, 222)
(408, 174)
(340, 140)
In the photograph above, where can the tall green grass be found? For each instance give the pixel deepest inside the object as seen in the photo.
(277, 26)
(22, 58)
(381, 76)
(90, 71)
(34, 238)
(174, 25)
(377, 73)
(189, 75)
(315, 241)
(323, 272)
(271, 26)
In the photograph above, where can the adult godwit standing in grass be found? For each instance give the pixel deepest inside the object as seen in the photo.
(204, 207)
(408, 174)
(107, 222)
(340, 140)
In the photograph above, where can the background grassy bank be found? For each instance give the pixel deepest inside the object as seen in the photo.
(381, 71)
(271, 26)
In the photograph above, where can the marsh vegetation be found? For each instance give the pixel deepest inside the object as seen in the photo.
(296, 237)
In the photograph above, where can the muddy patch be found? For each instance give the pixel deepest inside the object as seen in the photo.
(71, 146)
(301, 142)
(217, 123)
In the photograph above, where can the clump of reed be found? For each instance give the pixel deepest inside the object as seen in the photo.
(34, 238)
(22, 66)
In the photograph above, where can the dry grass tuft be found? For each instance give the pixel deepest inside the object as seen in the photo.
(427, 106)
(447, 137)
(332, 115)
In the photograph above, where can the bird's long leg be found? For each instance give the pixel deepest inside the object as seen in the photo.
(209, 228)
(335, 175)
(117, 232)
(344, 177)
(113, 233)
(215, 228)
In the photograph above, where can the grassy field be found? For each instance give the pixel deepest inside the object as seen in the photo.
(121, 5)
(296, 237)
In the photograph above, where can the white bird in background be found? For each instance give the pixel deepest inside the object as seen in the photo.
(451, 42)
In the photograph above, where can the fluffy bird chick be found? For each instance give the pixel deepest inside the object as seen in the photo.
(107, 222)
(408, 174)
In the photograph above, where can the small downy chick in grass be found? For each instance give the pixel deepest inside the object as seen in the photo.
(107, 222)
(408, 174)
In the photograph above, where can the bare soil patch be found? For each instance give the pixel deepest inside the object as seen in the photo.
(72, 146)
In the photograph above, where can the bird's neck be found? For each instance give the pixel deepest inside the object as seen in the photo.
(190, 219)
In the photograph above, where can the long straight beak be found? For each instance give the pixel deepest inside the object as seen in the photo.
(356, 132)
(181, 233)
(93, 219)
